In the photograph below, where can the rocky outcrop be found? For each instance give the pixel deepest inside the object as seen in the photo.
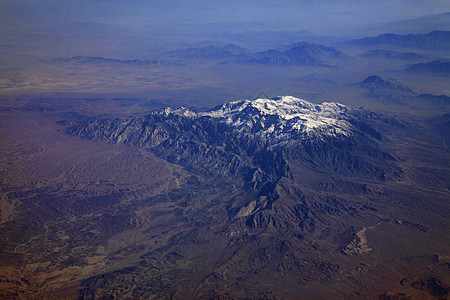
(254, 145)
(252, 140)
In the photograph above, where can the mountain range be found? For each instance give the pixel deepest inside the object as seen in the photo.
(390, 90)
(210, 52)
(293, 188)
(436, 40)
(438, 67)
(105, 60)
(267, 198)
(390, 54)
(251, 138)
(297, 54)
(422, 24)
(386, 87)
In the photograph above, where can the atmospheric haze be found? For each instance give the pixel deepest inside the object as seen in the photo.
(224, 149)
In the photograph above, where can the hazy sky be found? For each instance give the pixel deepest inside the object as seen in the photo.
(35, 32)
(324, 17)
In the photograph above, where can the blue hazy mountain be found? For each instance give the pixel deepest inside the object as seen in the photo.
(391, 54)
(210, 52)
(302, 54)
(438, 66)
(378, 86)
(422, 24)
(297, 54)
(106, 60)
(390, 90)
(436, 40)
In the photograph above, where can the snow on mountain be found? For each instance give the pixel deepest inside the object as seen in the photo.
(279, 117)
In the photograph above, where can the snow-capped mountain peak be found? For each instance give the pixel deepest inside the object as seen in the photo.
(286, 107)
(278, 117)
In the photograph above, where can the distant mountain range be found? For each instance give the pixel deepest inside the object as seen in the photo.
(438, 66)
(382, 87)
(210, 52)
(390, 54)
(268, 38)
(103, 60)
(422, 24)
(298, 54)
(394, 91)
(436, 40)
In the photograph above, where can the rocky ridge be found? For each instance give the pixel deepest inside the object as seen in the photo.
(254, 141)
